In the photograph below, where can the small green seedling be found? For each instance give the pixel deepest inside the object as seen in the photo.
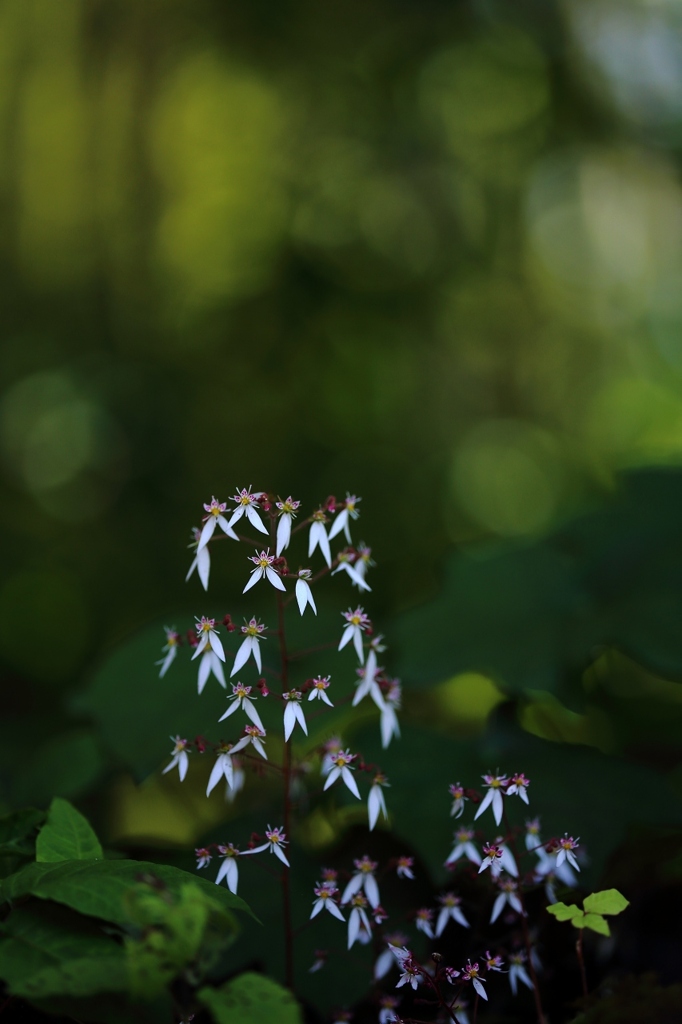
(609, 901)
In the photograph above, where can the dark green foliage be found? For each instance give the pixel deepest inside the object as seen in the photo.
(251, 999)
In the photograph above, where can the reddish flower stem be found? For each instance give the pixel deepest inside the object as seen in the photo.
(581, 961)
(286, 880)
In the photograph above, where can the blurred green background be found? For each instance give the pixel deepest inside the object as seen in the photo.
(426, 252)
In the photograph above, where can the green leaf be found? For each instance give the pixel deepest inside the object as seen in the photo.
(608, 901)
(564, 912)
(595, 922)
(251, 999)
(48, 950)
(67, 835)
(99, 888)
(16, 831)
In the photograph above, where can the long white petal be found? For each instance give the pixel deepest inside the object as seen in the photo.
(372, 891)
(183, 764)
(485, 803)
(242, 656)
(236, 515)
(255, 650)
(259, 747)
(459, 917)
(274, 579)
(443, 918)
(223, 869)
(497, 806)
(192, 567)
(353, 926)
(252, 713)
(230, 711)
(346, 636)
(338, 523)
(283, 533)
(203, 560)
(383, 965)
(298, 711)
(215, 776)
(201, 647)
(355, 885)
(240, 744)
(289, 720)
(324, 546)
(167, 662)
(356, 577)
(204, 672)
(478, 985)
(373, 806)
(256, 575)
(357, 641)
(332, 777)
(497, 907)
(216, 644)
(217, 669)
(301, 595)
(333, 909)
(169, 767)
(350, 782)
(317, 907)
(232, 874)
(255, 519)
(279, 852)
(206, 533)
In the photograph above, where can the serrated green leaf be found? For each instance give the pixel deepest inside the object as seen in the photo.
(66, 835)
(99, 888)
(563, 911)
(608, 901)
(49, 950)
(251, 998)
(595, 922)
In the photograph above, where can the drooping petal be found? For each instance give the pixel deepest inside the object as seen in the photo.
(350, 782)
(356, 577)
(274, 579)
(334, 910)
(346, 636)
(289, 720)
(372, 891)
(255, 650)
(317, 907)
(459, 917)
(216, 644)
(373, 806)
(332, 777)
(279, 852)
(242, 656)
(283, 533)
(355, 885)
(357, 641)
(497, 805)
(215, 776)
(203, 561)
(226, 528)
(338, 523)
(300, 717)
(259, 747)
(232, 874)
(353, 926)
(485, 804)
(204, 672)
(479, 987)
(193, 566)
(206, 533)
(256, 575)
(497, 907)
(255, 519)
(252, 713)
(217, 668)
(231, 710)
(201, 647)
(183, 764)
(443, 918)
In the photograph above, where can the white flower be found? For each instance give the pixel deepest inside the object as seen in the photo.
(390, 726)
(331, 749)
(204, 857)
(345, 560)
(566, 847)
(325, 893)
(287, 511)
(293, 713)
(548, 869)
(450, 911)
(341, 769)
(471, 973)
(202, 560)
(422, 920)
(386, 959)
(364, 559)
(356, 622)
(247, 504)
(208, 637)
(496, 785)
(276, 839)
(517, 971)
(404, 867)
(518, 784)
(228, 869)
(375, 801)
(210, 662)
(457, 792)
(263, 561)
(358, 920)
(318, 537)
(252, 636)
(492, 859)
(533, 835)
(240, 699)
(304, 595)
(253, 735)
(508, 896)
(464, 847)
(389, 1005)
(171, 647)
(179, 757)
(214, 518)
(221, 769)
(342, 521)
(368, 685)
(363, 878)
(411, 971)
(319, 686)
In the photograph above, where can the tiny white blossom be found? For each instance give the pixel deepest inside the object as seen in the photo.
(565, 852)
(533, 835)
(247, 504)
(228, 869)
(496, 786)
(364, 559)
(518, 784)
(472, 973)
(276, 840)
(204, 857)
(342, 521)
(207, 636)
(375, 801)
(318, 537)
(287, 511)
(252, 636)
(318, 690)
(210, 663)
(464, 847)
(263, 561)
(518, 972)
(341, 768)
(293, 713)
(201, 562)
(389, 724)
(508, 896)
(325, 894)
(171, 647)
(179, 757)
(492, 858)
(404, 867)
(304, 595)
(241, 699)
(215, 518)
(450, 905)
(253, 735)
(345, 560)
(458, 798)
(358, 920)
(411, 971)
(423, 919)
(368, 685)
(363, 878)
(356, 622)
